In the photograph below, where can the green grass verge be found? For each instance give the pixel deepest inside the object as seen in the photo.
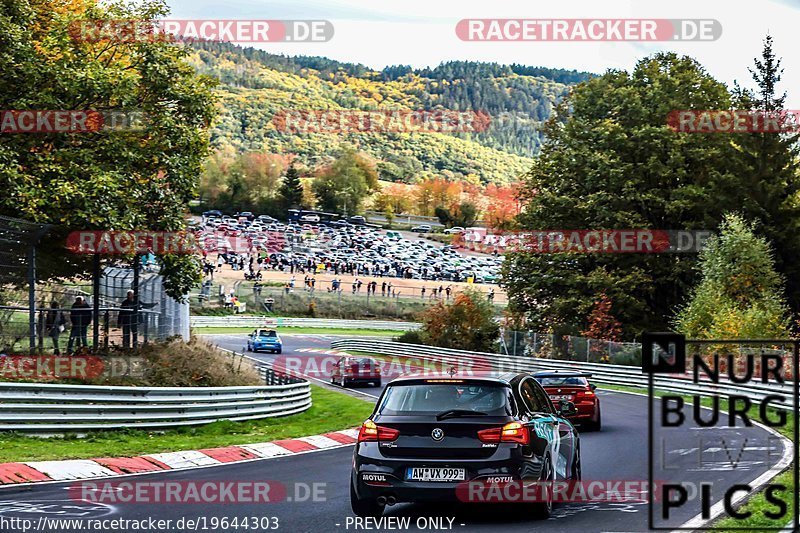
(757, 504)
(303, 331)
(331, 411)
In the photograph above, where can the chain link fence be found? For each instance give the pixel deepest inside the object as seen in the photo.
(569, 348)
(64, 314)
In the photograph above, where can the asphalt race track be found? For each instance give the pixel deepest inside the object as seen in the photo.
(618, 452)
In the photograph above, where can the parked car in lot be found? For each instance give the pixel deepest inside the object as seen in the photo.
(212, 213)
(246, 215)
(357, 220)
(574, 387)
(356, 370)
(455, 230)
(422, 228)
(310, 218)
(380, 253)
(428, 435)
(266, 340)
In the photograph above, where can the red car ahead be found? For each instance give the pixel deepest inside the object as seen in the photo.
(352, 370)
(573, 387)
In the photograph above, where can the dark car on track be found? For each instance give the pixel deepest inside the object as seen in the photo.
(565, 385)
(356, 370)
(427, 435)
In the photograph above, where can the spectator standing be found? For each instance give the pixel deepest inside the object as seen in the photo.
(80, 317)
(54, 325)
(126, 318)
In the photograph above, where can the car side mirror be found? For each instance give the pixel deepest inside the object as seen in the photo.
(566, 408)
(593, 387)
(250, 335)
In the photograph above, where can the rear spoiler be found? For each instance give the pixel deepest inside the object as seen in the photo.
(562, 375)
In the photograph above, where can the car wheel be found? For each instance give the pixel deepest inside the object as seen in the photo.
(364, 508)
(280, 350)
(378, 383)
(543, 509)
(597, 424)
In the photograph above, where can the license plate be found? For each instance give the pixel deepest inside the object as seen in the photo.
(559, 397)
(435, 474)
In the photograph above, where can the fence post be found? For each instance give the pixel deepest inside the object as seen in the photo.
(137, 306)
(32, 298)
(96, 302)
(588, 347)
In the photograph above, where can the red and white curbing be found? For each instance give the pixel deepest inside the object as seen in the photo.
(49, 471)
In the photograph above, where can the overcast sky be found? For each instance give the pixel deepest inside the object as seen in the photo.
(422, 32)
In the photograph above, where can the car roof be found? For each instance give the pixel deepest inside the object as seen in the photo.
(499, 378)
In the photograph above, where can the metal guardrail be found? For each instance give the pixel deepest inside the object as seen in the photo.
(289, 322)
(34, 407)
(601, 372)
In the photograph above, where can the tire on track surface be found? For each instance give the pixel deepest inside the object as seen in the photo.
(364, 508)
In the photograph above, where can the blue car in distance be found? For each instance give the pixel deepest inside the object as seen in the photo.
(264, 339)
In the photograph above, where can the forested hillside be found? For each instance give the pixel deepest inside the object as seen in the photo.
(256, 85)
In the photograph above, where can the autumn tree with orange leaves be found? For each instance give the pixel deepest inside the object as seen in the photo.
(601, 322)
(467, 323)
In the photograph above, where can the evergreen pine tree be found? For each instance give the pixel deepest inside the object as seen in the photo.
(292, 188)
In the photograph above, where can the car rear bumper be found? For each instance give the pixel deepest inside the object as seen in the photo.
(507, 464)
(362, 379)
(268, 346)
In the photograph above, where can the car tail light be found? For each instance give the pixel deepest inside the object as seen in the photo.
(511, 432)
(584, 394)
(370, 432)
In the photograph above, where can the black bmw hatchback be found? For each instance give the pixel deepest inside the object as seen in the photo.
(429, 435)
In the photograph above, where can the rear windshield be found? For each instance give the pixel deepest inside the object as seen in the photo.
(434, 398)
(566, 381)
(268, 333)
